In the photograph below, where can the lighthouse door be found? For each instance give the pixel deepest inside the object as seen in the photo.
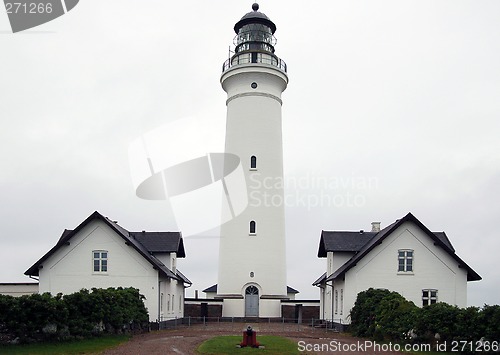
(251, 302)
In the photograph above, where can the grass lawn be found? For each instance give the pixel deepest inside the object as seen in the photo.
(227, 345)
(86, 346)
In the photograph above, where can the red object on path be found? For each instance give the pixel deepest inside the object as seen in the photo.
(249, 338)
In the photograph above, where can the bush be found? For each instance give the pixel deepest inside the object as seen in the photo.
(386, 315)
(439, 318)
(82, 314)
(382, 314)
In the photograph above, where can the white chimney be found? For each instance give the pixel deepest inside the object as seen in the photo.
(376, 227)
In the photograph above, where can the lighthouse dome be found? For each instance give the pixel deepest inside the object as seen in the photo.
(255, 17)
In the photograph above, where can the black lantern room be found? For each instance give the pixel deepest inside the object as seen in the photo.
(254, 41)
(255, 32)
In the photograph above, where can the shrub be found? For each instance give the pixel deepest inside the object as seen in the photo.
(382, 314)
(81, 314)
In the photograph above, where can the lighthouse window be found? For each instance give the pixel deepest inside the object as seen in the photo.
(252, 227)
(254, 85)
(253, 162)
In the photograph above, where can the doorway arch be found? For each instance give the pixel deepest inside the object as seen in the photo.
(251, 301)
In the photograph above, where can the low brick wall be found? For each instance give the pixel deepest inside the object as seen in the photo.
(202, 309)
(300, 312)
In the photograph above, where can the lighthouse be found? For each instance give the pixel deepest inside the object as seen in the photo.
(252, 260)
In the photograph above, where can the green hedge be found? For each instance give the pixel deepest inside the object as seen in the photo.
(386, 315)
(82, 314)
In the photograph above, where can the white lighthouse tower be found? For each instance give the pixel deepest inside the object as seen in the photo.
(252, 264)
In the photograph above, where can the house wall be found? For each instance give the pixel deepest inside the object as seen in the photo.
(334, 260)
(171, 303)
(70, 268)
(171, 299)
(210, 295)
(233, 308)
(18, 289)
(433, 268)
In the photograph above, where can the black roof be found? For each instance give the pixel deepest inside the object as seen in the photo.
(213, 288)
(320, 280)
(161, 242)
(255, 17)
(349, 241)
(440, 239)
(342, 241)
(129, 237)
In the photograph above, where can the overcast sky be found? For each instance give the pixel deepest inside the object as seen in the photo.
(395, 103)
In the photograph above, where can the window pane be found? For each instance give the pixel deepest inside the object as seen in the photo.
(252, 227)
(425, 293)
(104, 255)
(96, 255)
(409, 265)
(433, 294)
(401, 265)
(409, 254)
(401, 254)
(96, 265)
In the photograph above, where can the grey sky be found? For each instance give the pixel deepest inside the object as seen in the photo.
(395, 103)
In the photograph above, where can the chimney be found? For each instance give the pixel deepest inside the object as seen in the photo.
(196, 294)
(376, 227)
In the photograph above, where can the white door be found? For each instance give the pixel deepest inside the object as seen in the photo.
(251, 302)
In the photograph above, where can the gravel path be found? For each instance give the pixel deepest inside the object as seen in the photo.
(184, 340)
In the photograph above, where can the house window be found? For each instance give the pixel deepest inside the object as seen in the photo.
(405, 260)
(180, 303)
(253, 162)
(252, 227)
(336, 301)
(161, 302)
(100, 260)
(429, 297)
(173, 302)
(168, 303)
(341, 300)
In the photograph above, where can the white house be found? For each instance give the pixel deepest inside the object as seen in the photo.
(405, 257)
(100, 253)
(17, 289)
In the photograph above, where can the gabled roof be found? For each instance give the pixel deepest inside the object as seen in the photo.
(320, 280)
(291, 290)
(440, 239)
(129, 239)
(342, 241)
(348, 241)
(161, 242)
(183, 278)
(212, 288)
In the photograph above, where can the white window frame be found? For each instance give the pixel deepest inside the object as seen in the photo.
(103, 264)
(406, 258)
(428, 298)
